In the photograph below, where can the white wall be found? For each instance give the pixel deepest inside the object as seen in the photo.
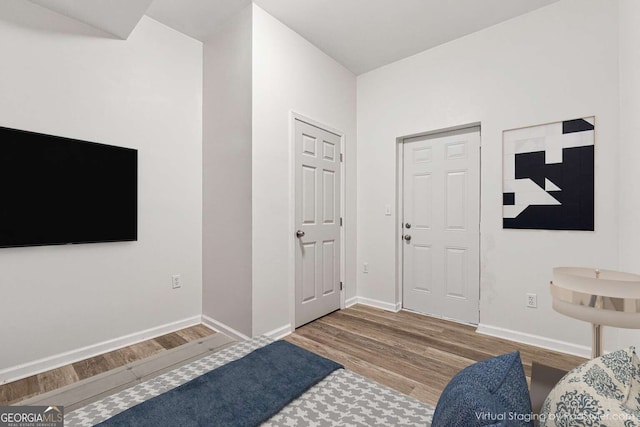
(227, 228)
(64, 78)
(629, 132)
(556, 63)
(629, 189)
(290, 74)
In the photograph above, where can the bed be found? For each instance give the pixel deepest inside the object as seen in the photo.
(341, 398)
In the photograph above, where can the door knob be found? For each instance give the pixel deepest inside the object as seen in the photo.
(407, 225)
(407, 237)
(299, 234)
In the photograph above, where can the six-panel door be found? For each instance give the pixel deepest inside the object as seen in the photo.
(441, 204)
(317, 217)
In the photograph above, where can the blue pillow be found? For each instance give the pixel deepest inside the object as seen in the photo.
(492, 392)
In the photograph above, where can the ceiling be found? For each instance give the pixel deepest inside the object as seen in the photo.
(366, 34)
(196, 18)
(360, 34)
(117, 17)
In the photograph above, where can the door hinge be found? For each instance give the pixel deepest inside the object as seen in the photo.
(340, 157)
(341, 285)
(340, 221)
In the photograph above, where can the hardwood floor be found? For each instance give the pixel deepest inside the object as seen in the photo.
(414, 354)
(38, 384)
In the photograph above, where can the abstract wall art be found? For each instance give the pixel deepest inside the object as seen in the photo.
(548, 177)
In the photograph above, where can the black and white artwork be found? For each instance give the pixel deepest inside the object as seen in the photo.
(549, 176)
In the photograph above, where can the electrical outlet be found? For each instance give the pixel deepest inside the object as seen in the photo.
(532, 300)
(175, 281)
(365, 267)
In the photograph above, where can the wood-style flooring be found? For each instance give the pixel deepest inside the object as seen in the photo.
(414, 354)
(51, 380)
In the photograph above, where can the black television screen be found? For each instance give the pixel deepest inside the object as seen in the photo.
(56, 190)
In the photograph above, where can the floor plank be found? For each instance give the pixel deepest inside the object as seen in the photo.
(170, 341)
(123, 356)
(362, 367)
(48, 381)
(90, 367)
(409, 352)
(97, 387)
(194, 333)
(57, 378)
(147, 349)
(19, 390)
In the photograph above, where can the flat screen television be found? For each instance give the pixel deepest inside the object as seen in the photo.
(56, 190)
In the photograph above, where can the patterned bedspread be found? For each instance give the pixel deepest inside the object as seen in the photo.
(344, 398)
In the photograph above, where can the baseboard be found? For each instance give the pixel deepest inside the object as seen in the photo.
(52, 362)
(351, 301)
(275, 334)
(535, 340)
(395, 307)
(225, 329)
(279, 333)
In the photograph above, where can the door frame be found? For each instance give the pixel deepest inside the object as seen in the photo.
(293, 116)
(400, 141)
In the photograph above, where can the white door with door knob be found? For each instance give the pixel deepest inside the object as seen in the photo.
(317, 221)
(441, 225)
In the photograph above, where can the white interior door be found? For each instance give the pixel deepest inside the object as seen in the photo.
(441, 225)
(317, 218)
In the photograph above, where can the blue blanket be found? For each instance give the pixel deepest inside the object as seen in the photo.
(245, 392)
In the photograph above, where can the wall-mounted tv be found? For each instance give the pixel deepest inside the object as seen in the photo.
(56, 190)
